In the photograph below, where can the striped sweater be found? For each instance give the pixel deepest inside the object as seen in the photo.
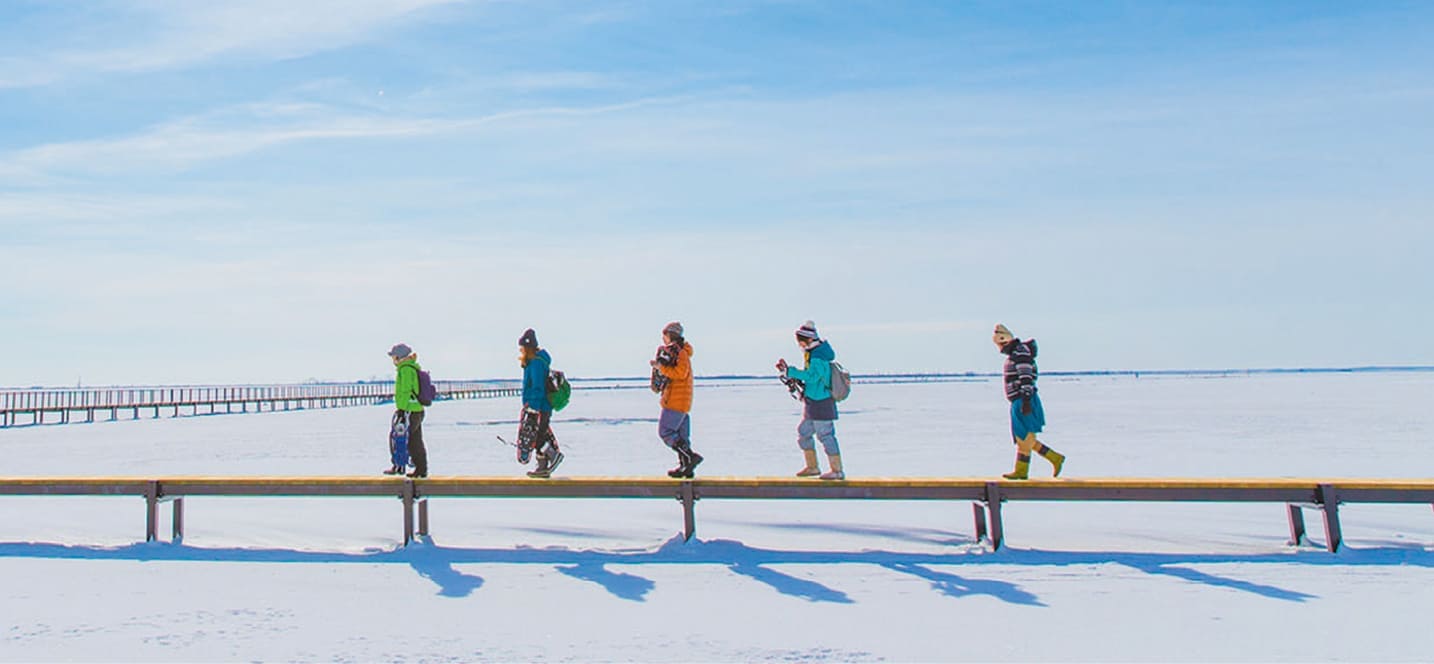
(1020, 371)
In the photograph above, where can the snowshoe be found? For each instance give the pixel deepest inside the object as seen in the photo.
(527, 434)
(398, 443)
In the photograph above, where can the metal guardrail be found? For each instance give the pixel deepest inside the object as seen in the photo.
(17, 406)
(987, 496)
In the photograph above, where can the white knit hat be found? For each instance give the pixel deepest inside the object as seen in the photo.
(808, 330)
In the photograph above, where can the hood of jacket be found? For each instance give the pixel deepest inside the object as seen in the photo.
(822, 351)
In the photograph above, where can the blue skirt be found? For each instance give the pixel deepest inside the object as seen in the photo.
(1023, 424)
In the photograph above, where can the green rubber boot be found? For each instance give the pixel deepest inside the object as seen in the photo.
(1023, 468)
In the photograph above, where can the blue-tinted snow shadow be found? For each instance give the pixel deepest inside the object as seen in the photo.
(952, 585)
(433, 563)
(790, 585)
(626, 586)
(436, 563)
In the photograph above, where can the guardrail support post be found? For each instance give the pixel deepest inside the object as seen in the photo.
(979, 513)
(993, 506)
(177, 533)
(423, 516)
(1297, 524)
(688, 496)
(151, 512)
(1329, 503)
(407, 497)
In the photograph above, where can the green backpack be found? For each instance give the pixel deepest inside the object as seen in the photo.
(559, 390)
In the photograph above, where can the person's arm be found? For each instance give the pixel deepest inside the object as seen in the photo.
(1025, 363)
(680, 371)
(805, 374)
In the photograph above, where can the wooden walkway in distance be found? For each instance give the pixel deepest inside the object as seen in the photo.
(986, 495)
(31, 407)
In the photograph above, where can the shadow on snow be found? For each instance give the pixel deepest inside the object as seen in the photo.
(436, 563)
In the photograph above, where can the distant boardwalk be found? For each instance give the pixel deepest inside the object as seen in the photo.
(51, 406)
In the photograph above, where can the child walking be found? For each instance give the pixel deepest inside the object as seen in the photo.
(674, 364)
(535, 431)
(819, 409)
(1027, 416)
(407, 416)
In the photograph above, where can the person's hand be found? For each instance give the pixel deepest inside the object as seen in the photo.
(652, 363)
(782, 365)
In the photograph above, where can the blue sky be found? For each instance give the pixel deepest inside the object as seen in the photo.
(278, 191)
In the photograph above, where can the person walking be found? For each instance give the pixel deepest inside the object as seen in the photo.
(535, 430)
(674, 364)
(819, 409)
(408, 414)
(1028, 418)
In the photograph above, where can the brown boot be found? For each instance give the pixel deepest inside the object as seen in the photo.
(811, 469)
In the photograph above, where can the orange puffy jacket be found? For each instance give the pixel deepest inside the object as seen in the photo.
(678, 393)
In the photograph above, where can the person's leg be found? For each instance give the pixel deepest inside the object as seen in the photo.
(669, 428)
(549, 456)
(690, 457)
(1024, 440)
(1035, 422)
(826, 432)
(805, 441)
(416, 449)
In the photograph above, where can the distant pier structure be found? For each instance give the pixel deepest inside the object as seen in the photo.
(63, 406)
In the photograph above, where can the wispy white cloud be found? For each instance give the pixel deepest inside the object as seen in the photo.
(184, 143)
(153, 35)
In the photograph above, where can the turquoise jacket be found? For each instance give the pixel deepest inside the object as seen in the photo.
(817, 375)
(535, 383)
(405, 387)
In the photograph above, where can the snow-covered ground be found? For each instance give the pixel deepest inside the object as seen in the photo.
(562, 579)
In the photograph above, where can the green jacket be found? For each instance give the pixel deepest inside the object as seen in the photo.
(405, 387)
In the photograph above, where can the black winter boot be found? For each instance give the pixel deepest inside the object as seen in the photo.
(687, 460)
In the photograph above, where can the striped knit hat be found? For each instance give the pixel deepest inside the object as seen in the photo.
(808, 330)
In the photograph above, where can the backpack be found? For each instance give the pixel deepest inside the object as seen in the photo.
(841, 382)
(559, 390)
(426, 390)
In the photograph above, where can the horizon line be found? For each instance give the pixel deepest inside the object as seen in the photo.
(892, 376)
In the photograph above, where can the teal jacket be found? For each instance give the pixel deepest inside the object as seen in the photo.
(817, 375)
(405, 387)
(535, 383)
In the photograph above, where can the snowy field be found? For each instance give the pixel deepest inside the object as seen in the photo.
(605, 580)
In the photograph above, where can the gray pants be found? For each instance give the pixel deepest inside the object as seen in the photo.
(675, 429)
(824, 430)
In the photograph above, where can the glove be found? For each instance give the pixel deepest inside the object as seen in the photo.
(1025, 405)
(782, 365)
